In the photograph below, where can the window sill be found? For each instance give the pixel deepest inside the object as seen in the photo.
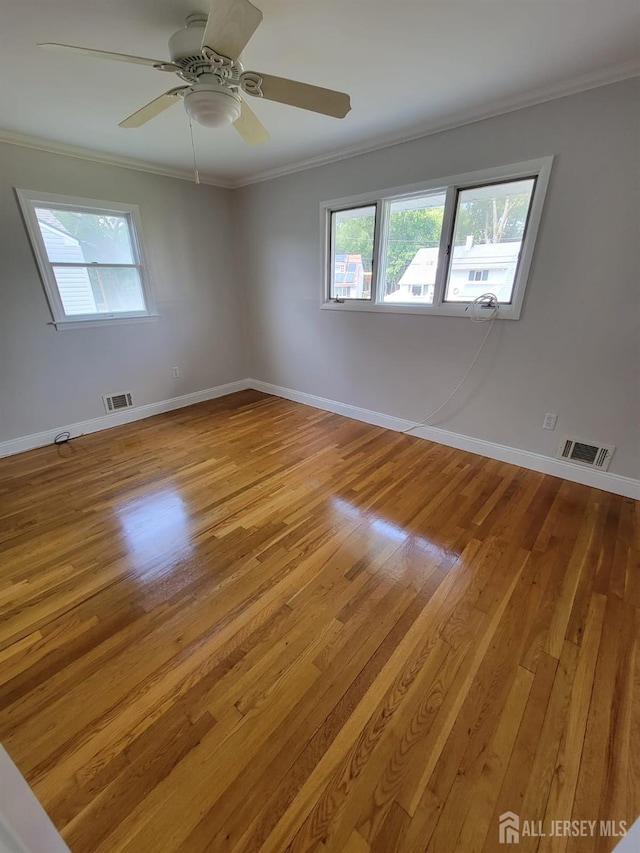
(506, 312)
(63, 325)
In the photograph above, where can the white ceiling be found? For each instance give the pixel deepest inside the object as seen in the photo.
(409, 65)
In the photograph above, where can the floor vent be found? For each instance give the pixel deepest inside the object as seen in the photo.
(115, 402)
(584, 453)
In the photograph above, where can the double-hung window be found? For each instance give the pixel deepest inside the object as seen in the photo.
(90, 258)
(437, 247)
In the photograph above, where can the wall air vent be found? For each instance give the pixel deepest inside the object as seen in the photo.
(115, 402)
(585, 453)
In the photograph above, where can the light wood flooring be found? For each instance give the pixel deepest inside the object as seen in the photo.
(252, 625)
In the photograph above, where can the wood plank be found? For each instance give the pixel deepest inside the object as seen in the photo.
(255, 626)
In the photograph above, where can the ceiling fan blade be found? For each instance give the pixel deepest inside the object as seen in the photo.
(304, 96)
(153, 108)
(250, 127)
(103, 54)
(230, 25)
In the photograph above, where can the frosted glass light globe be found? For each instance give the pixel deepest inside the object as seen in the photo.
(212, 105)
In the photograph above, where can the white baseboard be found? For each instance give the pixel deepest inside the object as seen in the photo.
(137, 413)
(608, 482)
(605, 480)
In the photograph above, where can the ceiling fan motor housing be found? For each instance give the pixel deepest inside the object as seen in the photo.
(187, 42)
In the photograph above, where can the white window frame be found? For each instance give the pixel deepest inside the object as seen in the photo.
(29, 200)
(540, 169)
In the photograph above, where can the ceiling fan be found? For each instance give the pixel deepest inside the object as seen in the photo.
(205, 56)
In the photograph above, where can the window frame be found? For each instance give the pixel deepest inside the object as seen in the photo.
(538, 169)
(29, 200)
(330, 264)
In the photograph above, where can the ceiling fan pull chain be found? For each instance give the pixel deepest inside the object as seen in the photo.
(196, 174)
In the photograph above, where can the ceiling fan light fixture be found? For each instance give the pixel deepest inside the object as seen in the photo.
(205, 55)
(212, 105)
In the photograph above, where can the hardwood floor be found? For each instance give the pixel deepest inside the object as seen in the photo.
(251, 625)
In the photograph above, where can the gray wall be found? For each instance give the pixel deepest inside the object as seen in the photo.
(51, 378)
(575, 349)
(252, 309)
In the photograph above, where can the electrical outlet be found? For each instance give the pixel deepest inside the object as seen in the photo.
(550, 420)
(176, 372)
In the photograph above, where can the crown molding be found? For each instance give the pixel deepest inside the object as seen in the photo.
(593, 80)
(50, 146)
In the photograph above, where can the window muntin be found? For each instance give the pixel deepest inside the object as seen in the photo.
(352, 241)
(437, 290)
(412, 248)
(489, 229)
(89, 258)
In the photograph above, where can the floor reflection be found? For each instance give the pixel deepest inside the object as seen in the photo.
(155, 524)
(391, 530)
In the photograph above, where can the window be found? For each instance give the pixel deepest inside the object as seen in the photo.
(352, 238)
(436, 247)
(412, 248)
(490, 225)
(89, 257)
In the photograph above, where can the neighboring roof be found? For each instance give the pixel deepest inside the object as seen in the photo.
(353, 267)
(49, 218)
(486, 252)
(422, 269)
